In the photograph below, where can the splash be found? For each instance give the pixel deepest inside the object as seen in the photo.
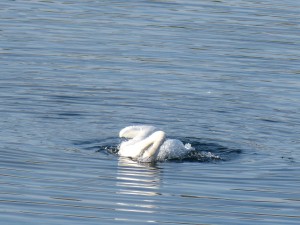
(173, 149)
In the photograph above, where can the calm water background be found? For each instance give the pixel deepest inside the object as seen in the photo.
(73, 73)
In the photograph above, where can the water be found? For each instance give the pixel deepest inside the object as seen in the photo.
(222, 74)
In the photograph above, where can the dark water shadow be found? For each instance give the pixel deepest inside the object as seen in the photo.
(106, 146)
(203, 151)
(209, 151)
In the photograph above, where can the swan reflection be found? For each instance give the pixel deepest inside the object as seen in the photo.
(135, 178)
(138, 185)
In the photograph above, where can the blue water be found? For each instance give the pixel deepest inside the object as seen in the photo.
(223, 75)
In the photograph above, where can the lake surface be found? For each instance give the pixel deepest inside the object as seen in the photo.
(223, 75)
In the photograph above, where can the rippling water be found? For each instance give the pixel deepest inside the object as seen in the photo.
(223, 75)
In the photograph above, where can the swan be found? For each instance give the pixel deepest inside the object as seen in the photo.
(146, 143)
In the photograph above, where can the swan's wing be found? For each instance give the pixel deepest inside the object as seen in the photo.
(136, 131)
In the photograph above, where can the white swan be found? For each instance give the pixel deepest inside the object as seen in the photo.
(147, 144)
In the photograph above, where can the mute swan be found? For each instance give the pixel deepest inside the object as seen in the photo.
(147, 144)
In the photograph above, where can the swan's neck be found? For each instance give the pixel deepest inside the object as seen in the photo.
(153, 143)
(144, 142)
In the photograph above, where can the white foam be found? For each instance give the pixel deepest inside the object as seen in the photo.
(173, 149)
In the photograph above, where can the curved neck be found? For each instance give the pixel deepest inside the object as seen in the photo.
(152, 144)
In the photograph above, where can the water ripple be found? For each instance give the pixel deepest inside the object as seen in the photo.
(221, 75)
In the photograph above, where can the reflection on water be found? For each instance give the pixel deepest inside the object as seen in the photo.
(73, 73)
(142, 181)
